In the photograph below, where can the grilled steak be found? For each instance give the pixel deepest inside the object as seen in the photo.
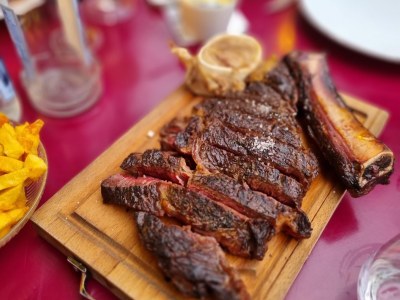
(247, 169)
(169, 131)
(252, 204)
(300, 165)
(267, 105)
(195, 264)
(253, 130)
(281, 80)
(249, 124)
(240, 235)
(139, 193)
(159, 164)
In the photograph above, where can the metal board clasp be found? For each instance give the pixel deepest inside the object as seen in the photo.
(79, 267)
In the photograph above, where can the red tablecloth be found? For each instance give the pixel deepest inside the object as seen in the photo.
(138, 72)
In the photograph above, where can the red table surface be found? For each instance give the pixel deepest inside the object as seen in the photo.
(138, 73)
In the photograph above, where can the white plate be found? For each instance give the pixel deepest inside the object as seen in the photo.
(368, 26)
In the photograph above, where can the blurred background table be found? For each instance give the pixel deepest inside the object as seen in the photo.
(138, 73)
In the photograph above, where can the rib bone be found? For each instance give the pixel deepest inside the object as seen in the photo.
(361, 160)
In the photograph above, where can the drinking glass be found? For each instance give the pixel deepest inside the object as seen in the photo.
(379, 277)
(65, 78)
(62, 86)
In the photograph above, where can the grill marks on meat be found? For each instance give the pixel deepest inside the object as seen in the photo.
(240, 235)
(249, 170)
(260, 125)
(255, 125)
(195, 264)
(278, 163)
(139, 193)
(301, 165)
(253, 204)
(237, 233)
(159, 164)
(269, 109)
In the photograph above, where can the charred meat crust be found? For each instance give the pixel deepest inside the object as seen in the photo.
(256, 174)
(237, 233)
(359, 159)
(195, 264)
(139, 193)
(253, 204)
(301, 165)
(159, 164)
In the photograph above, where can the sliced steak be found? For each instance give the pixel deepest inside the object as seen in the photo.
(250, 170)
(302, 165)
(160, 164)
(170, 130)
(141, 194)
(253, 204)
(237, 233)
(184, 139)
(240, 235)
(257, 126)
(195, 264)
(281, 80)
(266, 108)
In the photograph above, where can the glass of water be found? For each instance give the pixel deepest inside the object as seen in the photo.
(379, 278)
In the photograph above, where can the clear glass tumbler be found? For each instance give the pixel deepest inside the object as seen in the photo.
(65, 78)
(63, 87)
(379, 277)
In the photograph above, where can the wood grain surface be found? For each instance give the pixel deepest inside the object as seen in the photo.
(104, 237)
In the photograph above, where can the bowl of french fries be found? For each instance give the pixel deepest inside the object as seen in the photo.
(23, 174)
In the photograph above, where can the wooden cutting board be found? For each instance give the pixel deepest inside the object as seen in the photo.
(104, 237)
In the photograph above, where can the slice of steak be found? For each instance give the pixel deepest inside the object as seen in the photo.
(249, 170)
(253, 204)
(184, 139)
(235, 232)
(195, 264)
(169, 131)
(281, 80)
(266, 108)
(254, 125)
(160, 164)
(140, 193)
(240, 235)
(301, 165)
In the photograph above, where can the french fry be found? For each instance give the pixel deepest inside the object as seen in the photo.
(9, 197)
(12, 148)
(8, 164)
(21, 201)
(11, 217)
(28, 136)
(13, 178)
(35, 165)
(18, 163)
